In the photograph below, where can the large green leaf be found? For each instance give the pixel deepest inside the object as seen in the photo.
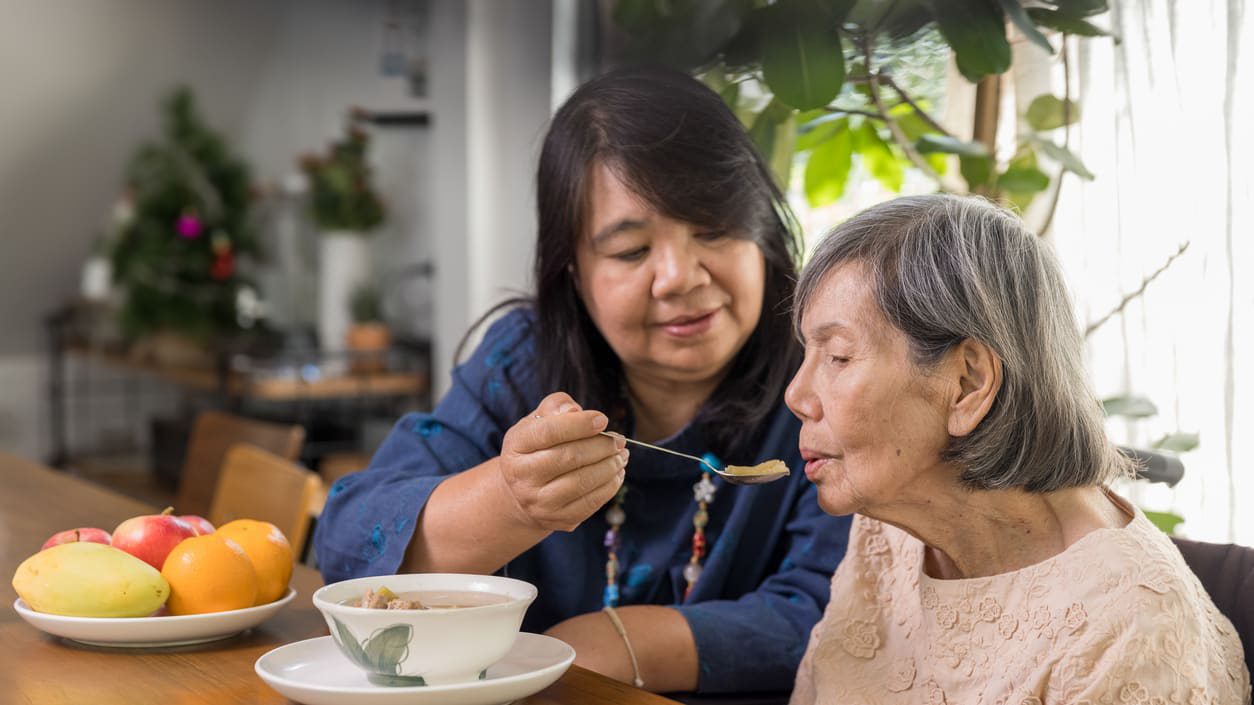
(977, 32)
(387, 647)
(930, 144)
(818, 133)
(1080, 8)
(1048, 112)
(878, 157)
(1165, 521)
(774, 133)
(1023, 180)
(1014, 10)
(1066, 158)
(686, 34)
(802, 61)
(977, 170)
(1130, 407)
(827, 169)
(1179, 442)
(1067, 24)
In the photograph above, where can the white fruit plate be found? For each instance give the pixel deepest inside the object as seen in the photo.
(142, 632)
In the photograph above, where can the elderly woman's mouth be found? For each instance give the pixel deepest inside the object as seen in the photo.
(815, 464)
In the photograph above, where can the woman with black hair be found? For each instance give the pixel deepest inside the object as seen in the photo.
(663, 269)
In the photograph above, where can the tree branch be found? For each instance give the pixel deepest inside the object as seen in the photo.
(852, 111)
(1128, 298)
(888, 81)
(898, 135)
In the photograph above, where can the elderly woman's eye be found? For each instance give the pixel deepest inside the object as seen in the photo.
(837, 359)
(711, 235)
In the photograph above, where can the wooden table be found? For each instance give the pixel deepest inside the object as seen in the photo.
(37, 669)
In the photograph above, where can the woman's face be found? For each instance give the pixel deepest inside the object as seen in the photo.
(675, 301)
(873, 424)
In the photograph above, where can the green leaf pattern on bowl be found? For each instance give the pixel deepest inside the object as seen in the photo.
(381, 654)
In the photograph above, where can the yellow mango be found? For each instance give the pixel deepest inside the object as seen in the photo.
(84, 579)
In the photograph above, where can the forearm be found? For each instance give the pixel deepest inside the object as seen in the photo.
(470, 524)
(660, 637)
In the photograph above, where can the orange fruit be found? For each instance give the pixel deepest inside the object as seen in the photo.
(269, 551)
(209, 573)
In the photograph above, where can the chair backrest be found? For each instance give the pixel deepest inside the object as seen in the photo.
(257, 484)
(212, 435)
(1227, 572)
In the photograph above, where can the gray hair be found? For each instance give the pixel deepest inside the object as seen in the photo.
(945, 269)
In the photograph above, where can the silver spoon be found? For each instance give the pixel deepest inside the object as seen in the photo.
(758, 474)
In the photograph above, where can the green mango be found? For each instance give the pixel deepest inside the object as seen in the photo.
(85, 579)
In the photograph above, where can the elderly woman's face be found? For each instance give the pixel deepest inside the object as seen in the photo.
(674, 301)
(873, 424)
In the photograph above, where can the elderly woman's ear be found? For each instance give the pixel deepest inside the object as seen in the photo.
(974, 373)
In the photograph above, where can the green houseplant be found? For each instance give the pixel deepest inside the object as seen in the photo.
(369, 337)
(826, 87)
(346, 208)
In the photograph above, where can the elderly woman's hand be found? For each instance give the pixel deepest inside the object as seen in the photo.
(557, 467)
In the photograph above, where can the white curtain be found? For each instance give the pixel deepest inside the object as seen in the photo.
(1168, 128)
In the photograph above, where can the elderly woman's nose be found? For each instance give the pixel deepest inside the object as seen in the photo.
(800, 398)
(677, 269)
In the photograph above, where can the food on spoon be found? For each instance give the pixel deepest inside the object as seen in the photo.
(770, 467)
(81, 534)
(87, 579)
(151, 537)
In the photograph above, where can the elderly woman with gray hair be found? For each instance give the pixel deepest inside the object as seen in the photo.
(943, 401)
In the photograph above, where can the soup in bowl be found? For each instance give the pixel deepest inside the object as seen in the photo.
(424, 628)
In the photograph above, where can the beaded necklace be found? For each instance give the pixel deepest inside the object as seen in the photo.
(615, 516)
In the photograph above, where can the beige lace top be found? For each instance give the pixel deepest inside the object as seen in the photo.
(1116, 618)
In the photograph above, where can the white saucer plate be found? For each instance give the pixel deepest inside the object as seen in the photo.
(147, 632)
(314, 672)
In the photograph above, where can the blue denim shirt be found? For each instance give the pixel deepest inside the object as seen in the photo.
(771, 554)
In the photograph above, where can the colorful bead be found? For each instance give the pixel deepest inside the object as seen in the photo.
(698, 544)
(615, 516)
(692, 572)
(700, 519)
(703, 491)
(611, 538)
(610, 599)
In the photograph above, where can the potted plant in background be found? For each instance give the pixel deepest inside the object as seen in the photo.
(346, 210)
(369, 337)
(184, 223)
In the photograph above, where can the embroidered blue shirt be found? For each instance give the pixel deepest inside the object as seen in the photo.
(771, 554)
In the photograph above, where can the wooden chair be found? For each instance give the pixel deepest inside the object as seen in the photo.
(257, 484)
(212, 436)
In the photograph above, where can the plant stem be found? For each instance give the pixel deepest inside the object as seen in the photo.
(1066, 137)
(898, 135)
(1128, 298)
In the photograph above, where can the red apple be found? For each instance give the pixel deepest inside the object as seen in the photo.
(200, 524)
(82, 534)
(151, 537)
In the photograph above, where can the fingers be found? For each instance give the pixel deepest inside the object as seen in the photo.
(565, 422)
(592, 486)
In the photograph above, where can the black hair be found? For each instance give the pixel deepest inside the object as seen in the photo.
(675, 144)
